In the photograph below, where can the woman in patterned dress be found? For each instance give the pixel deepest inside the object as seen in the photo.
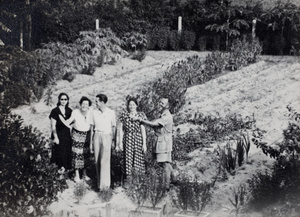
(81, 120)
(60, 134)
(132, 139)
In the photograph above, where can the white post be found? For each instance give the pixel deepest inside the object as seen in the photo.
(179, 24)
(97, 24)
(253, 29)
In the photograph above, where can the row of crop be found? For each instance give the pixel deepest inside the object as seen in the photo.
(182, 74)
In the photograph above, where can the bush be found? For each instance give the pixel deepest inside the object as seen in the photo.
(282, 184)
(216, 62)
(209, 129)
(161, 35)
(28, 181)
(16, 95)
(242, 53)
(133, 41)
(188, 40)
(20, 78)
(174, 40)
(139, 55)
(201, 43)
(191, 193)
(116, 167)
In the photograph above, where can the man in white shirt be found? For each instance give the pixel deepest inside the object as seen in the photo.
(104, 135)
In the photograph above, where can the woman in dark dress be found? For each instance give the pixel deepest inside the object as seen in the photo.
(60, 134)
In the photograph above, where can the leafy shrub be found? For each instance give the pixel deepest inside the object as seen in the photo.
(48, 96)
(17, 95)
(240, 197)
(191, 193)
(92, 42)
(28, 180)
(116, 165)
(209, 130)
(137, 189)
(20, 77)
(174, 40)
(69, 76)
(161, 35)
(188, 40)
(155, 183)
(264, 190)
(201, 43)
(89, 70)
(282, 184)
(228, 158)
(133, 41)
(242, 53)
(79, 190)
(106, 195)
(139, 55)
(216, 62)
(149, 186)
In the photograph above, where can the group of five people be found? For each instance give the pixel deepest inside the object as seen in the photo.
(80, 132)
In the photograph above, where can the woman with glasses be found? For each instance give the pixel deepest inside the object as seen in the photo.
(60, 134)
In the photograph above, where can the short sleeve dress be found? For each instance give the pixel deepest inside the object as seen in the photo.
(62, 153)
(133, 156)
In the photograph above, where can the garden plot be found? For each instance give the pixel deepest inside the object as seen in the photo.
(263, 89)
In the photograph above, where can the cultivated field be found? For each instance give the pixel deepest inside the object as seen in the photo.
(263, 89)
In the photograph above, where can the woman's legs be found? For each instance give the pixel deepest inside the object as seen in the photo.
(77, 176)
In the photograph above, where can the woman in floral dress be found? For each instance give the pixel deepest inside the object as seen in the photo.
(132, 139)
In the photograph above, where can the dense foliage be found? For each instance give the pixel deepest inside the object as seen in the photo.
(192, 194)
(206, 25)
(282, 183)
(24, 75)
(28, 181)
(210, 129)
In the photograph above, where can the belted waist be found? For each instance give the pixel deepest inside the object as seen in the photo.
(131, 131)
(103, 132)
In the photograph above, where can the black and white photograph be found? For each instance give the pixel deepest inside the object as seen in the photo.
(150, 108)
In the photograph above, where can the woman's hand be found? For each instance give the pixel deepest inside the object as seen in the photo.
(136, 119)
(56, 140)
(144, 148)
(91, 148)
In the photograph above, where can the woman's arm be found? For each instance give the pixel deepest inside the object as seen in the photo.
(54, 132)
(91, 139)
(149, 123)
(120, 137)
(68, 121)
(143, 130)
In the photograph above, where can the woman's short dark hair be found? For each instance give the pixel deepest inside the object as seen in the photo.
(131, 99)
(102, 98)
(59, 97)
(84, 98)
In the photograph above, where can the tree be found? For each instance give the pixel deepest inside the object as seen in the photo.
(232, 15)
(283, 19)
